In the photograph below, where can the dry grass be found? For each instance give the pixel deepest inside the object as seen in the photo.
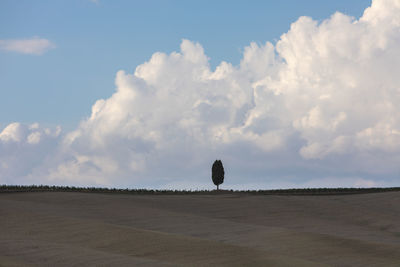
(67, 228)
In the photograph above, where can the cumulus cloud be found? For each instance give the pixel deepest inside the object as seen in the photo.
(25, 149)
(32, 46)
(321, 102)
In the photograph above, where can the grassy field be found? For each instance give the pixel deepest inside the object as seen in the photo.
(55, 227)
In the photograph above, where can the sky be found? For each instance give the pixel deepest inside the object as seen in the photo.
(149, 93)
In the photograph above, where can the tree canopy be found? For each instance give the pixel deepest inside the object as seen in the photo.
(217, 173)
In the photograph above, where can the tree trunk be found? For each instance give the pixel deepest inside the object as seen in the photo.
(217, 187)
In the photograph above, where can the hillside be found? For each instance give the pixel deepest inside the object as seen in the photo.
(75, 228)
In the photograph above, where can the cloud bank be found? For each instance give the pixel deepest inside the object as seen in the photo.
(32, 46)
(318, 108)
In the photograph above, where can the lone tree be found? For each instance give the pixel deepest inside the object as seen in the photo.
(217, 173)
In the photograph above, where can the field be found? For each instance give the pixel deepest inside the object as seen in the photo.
(227, 229)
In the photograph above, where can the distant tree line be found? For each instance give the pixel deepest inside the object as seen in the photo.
(297, 191)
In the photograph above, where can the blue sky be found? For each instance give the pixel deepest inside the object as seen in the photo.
(150, 93)
(94, 41)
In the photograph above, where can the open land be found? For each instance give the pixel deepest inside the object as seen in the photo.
(231, 229)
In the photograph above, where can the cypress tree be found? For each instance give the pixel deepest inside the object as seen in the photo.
(217, 173)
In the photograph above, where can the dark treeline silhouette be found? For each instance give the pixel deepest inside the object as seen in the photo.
(296, 191)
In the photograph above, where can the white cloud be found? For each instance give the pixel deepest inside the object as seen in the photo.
(322, 102)
(34, 138)
(32, 46)
(12, 133)
(24, 149)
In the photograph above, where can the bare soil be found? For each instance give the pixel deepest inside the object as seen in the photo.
(93, 229)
